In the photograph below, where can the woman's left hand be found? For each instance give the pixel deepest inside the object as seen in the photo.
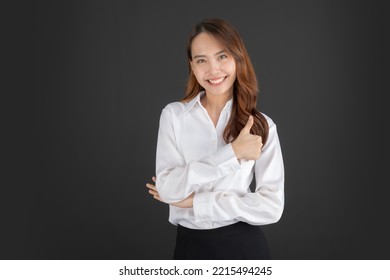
(185, 203)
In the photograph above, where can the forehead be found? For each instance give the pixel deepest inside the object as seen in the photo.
(205, 44)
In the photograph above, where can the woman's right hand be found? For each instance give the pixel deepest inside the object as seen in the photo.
(185, 203)
(247, 146)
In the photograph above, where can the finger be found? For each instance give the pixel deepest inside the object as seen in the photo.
(153, 192)
(154, 179)
(247, 128)
(157, 197)
(151, 186)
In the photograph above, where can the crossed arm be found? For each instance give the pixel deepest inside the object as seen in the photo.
(185, 203)
(246, 146)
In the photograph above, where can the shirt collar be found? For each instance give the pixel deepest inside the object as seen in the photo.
(195, 100)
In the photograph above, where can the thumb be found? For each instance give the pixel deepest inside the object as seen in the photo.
(248, 126)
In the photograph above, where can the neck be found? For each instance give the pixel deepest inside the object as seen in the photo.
(215, 104)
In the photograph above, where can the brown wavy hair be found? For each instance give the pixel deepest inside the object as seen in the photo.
(245, 87)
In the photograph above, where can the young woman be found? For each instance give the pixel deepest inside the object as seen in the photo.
(210, 145)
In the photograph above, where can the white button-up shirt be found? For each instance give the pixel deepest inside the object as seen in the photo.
(192, 156)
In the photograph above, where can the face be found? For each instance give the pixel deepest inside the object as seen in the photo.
(213, 67)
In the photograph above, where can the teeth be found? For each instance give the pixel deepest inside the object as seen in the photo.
(217, 81)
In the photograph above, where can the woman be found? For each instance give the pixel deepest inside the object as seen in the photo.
(210, 145)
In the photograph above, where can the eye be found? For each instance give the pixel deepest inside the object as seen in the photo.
(201, 60)
(222, 56)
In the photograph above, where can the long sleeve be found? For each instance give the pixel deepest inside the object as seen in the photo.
(264, 206)
(176, 178)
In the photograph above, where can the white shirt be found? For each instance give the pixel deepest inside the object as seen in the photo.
(192, 156)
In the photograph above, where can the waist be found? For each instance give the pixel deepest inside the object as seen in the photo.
(232, 229)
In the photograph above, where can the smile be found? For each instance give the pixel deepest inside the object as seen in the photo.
(217, 81)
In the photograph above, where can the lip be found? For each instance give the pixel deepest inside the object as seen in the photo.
(216, 81)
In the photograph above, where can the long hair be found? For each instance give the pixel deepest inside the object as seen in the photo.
(245, 87)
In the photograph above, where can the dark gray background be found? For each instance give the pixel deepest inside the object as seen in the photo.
(86, 81)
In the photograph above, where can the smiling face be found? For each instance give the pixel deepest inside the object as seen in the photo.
(213, 67)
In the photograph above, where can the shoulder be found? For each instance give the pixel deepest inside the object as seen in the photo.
(174, 111)
(176, 108)
(269, 120)
(273, 137)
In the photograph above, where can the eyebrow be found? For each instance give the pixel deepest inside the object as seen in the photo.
(201, 55)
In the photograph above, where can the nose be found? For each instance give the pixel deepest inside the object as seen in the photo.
(214, 67)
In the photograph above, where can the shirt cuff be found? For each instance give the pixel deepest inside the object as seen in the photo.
(225, 158)
(203, 207)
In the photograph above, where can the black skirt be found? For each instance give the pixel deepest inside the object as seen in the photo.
(239, 241)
